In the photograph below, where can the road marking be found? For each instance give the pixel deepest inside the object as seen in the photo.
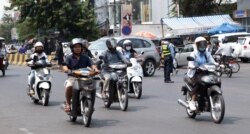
(25, 130)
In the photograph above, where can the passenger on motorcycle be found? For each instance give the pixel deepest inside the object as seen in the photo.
(129, 52)
(86, 51)
(74, 61)
(201, 56)
(110, 56)
(39, 53)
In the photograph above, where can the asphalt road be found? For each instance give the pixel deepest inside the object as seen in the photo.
(157, 112)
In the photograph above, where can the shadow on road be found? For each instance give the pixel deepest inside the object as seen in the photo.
(226, 120)
(98, 123)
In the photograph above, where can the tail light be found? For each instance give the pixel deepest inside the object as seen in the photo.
(245, 47)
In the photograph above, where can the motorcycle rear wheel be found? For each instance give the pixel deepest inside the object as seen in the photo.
(189, 113)
(87, 111)
(123, 98)
(235, 67)
(217, 113)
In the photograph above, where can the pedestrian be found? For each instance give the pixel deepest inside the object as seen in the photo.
(59, 54)
(167, 52)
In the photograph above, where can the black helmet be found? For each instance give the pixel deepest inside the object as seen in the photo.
(111, 43)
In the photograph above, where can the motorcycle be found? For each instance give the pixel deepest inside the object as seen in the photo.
(118, 91)
(135, 75)
(43, 78)
(83, 94)
(226, 68)
(209, 96)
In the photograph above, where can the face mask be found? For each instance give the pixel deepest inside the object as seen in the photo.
(39, 51)
(202, 49)
(128, 48)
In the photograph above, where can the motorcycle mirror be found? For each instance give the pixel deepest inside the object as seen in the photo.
(101, 57)
(142, 52)
(189, 58)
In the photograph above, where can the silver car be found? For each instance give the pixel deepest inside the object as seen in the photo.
(151, 55)
(182, 54)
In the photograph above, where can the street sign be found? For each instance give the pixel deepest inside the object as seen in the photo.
(126, 30)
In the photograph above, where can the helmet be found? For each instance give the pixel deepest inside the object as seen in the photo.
(127, 43)
(38, 44)
(111, 43)
(201, 44)
(76, 41)
(164, 42)
(85, 43)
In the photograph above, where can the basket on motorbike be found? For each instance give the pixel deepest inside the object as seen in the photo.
(87, 84)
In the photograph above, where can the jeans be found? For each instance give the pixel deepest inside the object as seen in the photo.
(168, 62)
(31, 78)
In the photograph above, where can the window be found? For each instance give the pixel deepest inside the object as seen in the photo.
(142, 11)
(146, 44)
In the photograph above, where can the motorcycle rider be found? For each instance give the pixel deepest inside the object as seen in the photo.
(74, 61)
(225, 50)
(110, 56)
(201, 56)
(129, 52)
(86, 51)
(39, 53)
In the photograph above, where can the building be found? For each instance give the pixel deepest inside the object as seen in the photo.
(242, 14)
(145, 14)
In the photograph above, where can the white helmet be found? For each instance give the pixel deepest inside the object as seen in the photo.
(199, 39)
(38, 44)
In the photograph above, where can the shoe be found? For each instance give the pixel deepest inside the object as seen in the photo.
(32, 92)
(169, 81)
(192, 106)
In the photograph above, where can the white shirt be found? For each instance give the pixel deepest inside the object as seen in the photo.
(39, 57)
(192, 64)
(225, 49)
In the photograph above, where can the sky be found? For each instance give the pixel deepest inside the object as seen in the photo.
(2, 3)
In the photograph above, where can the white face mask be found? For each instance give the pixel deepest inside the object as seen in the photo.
(128, 48)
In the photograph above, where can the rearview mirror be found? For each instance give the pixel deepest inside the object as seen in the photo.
(142, 52)
(189, 58)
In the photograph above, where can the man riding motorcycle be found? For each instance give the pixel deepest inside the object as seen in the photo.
(39, 53)
(110, 56)
(74, 61)
(201, 56)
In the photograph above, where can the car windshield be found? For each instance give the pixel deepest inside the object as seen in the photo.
(241, 41)
(98, 45)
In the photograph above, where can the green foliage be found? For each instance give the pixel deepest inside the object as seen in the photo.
(5, 27)
(189, 8)
(72, 18)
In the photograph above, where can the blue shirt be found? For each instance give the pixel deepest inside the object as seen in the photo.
(201, 59)
(73, 63)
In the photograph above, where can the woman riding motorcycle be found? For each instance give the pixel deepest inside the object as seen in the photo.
(201, 56)
(129, 51)
(39, 52)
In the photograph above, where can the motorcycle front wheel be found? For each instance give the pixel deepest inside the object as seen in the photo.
(235, 67)
(137, 86)
(123, 98)
(45, 97)
(218, 111)
(87, 111)
(189, 113)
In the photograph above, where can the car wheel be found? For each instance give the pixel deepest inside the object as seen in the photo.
(149, 68)
(244, 60)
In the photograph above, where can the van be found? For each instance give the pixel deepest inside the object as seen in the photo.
(244, 49)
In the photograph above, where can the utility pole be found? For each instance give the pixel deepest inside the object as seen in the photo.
(114, 17)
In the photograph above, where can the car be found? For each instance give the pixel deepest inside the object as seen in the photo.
(182, 54)
(244, 48)
(151, 55)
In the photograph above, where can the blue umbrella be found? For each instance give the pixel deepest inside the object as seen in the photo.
(226, 28)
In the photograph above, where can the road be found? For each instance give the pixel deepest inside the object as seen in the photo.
(157, 112)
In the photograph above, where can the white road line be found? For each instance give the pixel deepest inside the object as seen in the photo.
(25, 130)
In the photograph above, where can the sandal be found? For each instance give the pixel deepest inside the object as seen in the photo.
(67, 107)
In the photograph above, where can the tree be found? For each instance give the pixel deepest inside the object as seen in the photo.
(190, 8)
(6, 26)
(72, 18)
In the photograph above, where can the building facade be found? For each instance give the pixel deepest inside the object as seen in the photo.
(242, 14)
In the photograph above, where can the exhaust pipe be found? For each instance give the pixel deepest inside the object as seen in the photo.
(182, 103)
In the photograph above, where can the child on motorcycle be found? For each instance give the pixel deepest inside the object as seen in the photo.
(39, 54)
(74, 61)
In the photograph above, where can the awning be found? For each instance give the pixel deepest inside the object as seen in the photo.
(195, 25)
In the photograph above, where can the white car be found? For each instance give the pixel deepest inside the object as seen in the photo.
(243, 48)
(182, 54)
